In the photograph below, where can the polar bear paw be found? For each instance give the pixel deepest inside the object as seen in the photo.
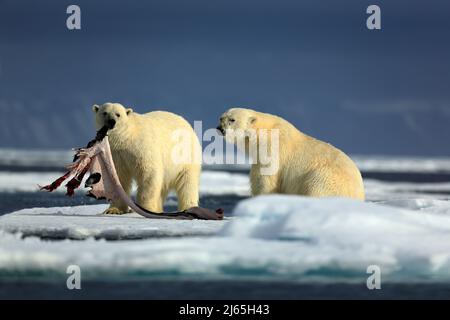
(116, 211)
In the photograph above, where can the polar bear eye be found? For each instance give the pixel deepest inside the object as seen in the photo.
(118, 115)
(104, 113)
(231, 120)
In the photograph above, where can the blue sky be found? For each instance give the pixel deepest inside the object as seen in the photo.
(314, 63)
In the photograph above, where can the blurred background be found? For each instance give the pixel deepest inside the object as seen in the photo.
(315, 63)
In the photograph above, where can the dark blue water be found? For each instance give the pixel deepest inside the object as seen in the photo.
(217, 289)
(10, 202)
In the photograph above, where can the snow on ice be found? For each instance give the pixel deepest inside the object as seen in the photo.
(269, 237)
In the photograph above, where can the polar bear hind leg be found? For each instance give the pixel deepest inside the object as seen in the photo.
(187, 187)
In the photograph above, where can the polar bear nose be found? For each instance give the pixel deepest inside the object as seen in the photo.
(111, 123)
(220, 129)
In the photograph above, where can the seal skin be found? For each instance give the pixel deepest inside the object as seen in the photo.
(105, 184)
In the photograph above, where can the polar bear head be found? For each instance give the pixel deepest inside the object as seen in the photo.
(237, 119)
(255, 133)
(239, 126)
(113, 115)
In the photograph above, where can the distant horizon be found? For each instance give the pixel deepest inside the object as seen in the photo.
(69, 151)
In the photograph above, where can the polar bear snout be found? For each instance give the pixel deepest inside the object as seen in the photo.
(111, 115)
(111, 123)
(221, 130)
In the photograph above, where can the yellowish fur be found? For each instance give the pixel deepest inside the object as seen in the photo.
(141, 146)
(307, 166)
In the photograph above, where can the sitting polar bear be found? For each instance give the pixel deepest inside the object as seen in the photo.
(306, 166)
(142, 148)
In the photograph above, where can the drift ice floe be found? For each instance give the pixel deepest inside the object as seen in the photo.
(104, 182)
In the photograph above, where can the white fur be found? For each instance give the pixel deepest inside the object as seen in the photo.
(307, 166)
(141, 146)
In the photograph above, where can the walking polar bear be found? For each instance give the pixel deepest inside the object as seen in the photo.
(306, 166)
(142, 147)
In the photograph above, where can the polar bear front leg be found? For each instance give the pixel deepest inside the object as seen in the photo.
(262, 184)
(118, 206)
(149, 193)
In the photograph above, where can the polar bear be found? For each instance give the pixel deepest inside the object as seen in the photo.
(142, 146)
(306, 166)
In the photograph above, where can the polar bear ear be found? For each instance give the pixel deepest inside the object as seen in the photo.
(95, 108)
(252, 120)
(129, 110)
